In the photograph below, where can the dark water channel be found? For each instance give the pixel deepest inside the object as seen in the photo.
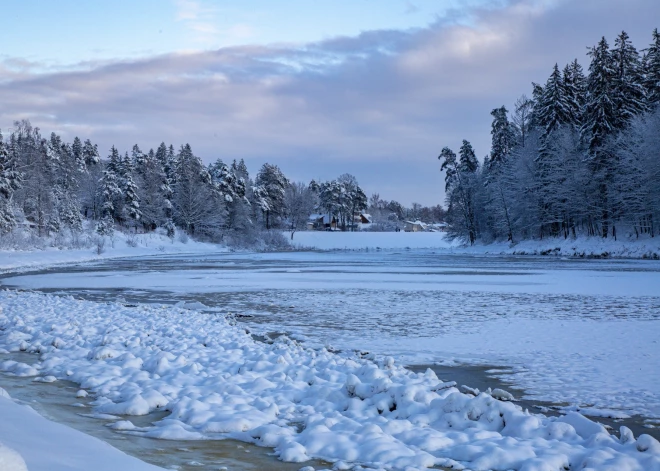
(57, 401)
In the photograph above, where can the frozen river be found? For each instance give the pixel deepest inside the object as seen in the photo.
(583, 333)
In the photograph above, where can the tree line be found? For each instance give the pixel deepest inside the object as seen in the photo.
(580, 157)
(52, 186)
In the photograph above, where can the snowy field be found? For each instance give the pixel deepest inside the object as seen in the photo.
(217, 381)
(323, 240)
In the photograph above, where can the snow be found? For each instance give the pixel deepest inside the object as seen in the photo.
(626, 247)
(336, 240)
(119, 246)
(29, 441)
(217, 381)
(582, 332)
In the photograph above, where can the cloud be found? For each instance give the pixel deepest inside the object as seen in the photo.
(380, 105)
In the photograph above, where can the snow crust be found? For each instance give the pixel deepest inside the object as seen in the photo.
(217, 381)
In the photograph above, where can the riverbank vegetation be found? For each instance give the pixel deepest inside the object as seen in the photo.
(580, 157)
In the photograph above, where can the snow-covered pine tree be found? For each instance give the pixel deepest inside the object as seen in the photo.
(468, 159)
(194, 205)
(131, 207)
(652, 71)
(137, 156)
(503, 137)
(575, 86)
(273, 183)
(78, 155)
(628, 94)
(151, 185)
(459, 191)
(554, 109)
(10, 179)
(537, 99)
(68, 166)
(111, 192)
(90, 154)
(599, 118)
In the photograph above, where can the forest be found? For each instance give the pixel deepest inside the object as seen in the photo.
(49, 187)
(580, 157)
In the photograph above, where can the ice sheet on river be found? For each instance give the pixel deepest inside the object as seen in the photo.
(216, 380)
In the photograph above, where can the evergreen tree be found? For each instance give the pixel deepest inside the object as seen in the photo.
(652, 71)
(460, 185)
(10, 179)
(599, 119)
(129, 189)
(272, 184)
(537, 99)
(90, 153)
(468, 159)
(575, 86)
(629, 96)
(137, 157)
(111, 189)
(555, 108)
(193, 202)
(503, 137)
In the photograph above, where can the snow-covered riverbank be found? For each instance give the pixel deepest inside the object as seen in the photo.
(644, 247)
(216, 380)
(118, 246)
(29, 442)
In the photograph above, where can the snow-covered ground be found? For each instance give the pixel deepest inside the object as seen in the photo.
(217, 381)
(336, 240)
(30, 442)
(120, 245)
(627, 247)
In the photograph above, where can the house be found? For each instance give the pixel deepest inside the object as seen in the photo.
(320, 222)
(414, 226)
(363, 218)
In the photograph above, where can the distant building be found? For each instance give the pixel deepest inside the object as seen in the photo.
(414, 226)
(320, 222)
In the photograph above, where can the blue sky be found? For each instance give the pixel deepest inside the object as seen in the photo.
(375, 88)
(68, 32)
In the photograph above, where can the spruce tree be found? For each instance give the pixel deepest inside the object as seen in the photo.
(468, 159)
(130, 191)
(575, 85)
(652, 71)
(628, 92)
(10, 179)
(273, 184)
(90, 154)
(503, 137)
(599, 118)
(554, 109)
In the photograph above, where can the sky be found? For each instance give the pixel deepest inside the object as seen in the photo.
(375, 88)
